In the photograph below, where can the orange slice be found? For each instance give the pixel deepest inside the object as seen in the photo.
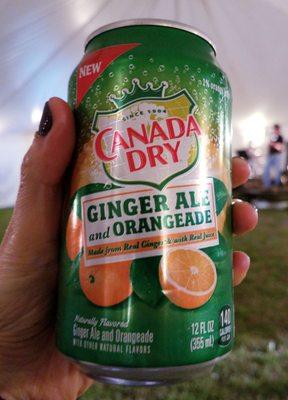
(188, 277)
(106, 285)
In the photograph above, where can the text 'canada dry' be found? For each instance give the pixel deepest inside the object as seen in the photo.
(146, 280)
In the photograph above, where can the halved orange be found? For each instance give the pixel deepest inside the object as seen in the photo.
(73, 235)
(188, 277)
(107, 284)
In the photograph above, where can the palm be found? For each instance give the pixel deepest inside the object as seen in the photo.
(36, 363)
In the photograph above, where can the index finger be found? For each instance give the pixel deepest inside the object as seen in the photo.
(240, 171)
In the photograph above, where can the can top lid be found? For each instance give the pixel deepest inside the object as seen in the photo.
(150, 21)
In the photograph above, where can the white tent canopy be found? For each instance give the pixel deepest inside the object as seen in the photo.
(42, 41)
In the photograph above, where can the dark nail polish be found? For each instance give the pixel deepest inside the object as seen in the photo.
(46, 121)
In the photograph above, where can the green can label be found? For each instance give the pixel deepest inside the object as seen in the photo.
(146, 259)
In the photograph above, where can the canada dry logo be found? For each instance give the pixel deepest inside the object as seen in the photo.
(149, 138)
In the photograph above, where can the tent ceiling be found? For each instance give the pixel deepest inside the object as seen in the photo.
(42, 41)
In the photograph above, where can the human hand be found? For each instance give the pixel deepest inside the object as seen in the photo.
(245, 218)
(31, 366)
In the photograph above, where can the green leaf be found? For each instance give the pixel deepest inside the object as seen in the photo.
(227, 229)
(219, 252)
(221, 195)
(74, 274)
(145, 279)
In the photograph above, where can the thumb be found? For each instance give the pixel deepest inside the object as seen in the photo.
(50, 152)
(33, 230)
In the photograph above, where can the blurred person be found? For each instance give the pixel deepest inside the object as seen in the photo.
(253, 154)
(31, 366)
(274, 159)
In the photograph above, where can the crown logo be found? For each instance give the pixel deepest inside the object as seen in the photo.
(138, 92)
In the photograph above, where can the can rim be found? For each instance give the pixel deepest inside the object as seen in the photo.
(150, 21)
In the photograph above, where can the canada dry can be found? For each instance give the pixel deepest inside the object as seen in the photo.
(146, 265)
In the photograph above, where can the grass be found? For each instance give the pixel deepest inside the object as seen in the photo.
(5, 215)
(258, 367)
(261, 302)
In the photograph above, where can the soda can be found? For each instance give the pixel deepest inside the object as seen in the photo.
(145, 294)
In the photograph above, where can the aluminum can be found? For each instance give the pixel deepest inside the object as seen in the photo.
(145, 294)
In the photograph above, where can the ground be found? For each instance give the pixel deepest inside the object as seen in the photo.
(258, 366)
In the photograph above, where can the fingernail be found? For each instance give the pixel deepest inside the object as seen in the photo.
(234, 201)
(242, 158)
(246, 162)
(46, 121)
